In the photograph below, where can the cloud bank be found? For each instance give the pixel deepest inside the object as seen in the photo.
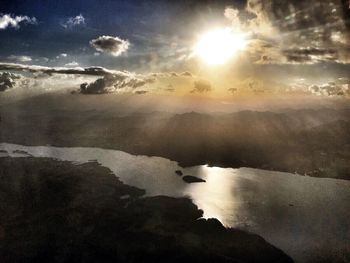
(112, 45)
(110, 81)
(295, 32)
(92, 71)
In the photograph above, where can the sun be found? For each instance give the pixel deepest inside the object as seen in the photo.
(220, 45)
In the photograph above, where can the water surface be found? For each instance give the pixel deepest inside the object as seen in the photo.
(304, 216)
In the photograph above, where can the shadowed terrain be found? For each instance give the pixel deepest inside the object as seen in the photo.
(52, 211)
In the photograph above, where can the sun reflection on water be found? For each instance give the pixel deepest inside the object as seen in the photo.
(215, 197)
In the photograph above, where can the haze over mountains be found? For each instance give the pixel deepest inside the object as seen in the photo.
(313, 142)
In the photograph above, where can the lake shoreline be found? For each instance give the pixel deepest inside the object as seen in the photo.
(285, 209)
(190, 163)
(87, 212)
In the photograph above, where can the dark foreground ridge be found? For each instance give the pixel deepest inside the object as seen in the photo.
(53, 211)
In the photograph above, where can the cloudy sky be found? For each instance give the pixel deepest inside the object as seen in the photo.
(228, 45)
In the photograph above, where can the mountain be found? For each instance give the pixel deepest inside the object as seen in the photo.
(307, 141)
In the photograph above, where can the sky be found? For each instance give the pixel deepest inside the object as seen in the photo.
(153, 28)
(301, 46)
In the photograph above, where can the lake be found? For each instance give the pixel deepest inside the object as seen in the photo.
(306, 217)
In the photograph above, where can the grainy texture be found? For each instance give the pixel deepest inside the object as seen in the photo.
(52, 211)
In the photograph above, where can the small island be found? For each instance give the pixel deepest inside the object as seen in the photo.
(192, 179)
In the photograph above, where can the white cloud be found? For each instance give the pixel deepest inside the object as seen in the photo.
(20, 58)
(63, 55)
(74, 21)
(113, 45)
(8, 20)
(72, 64)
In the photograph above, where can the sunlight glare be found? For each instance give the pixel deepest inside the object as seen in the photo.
(218, 46)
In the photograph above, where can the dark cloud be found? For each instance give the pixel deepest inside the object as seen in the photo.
(96, 87)
(112, 45)
(172, 74)
(141, 92)
(314, 31)
(8, 80)
(289, 31)
(112, 83)
(201, 86)
(186, 74)
(232, 90)
(310, 55)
